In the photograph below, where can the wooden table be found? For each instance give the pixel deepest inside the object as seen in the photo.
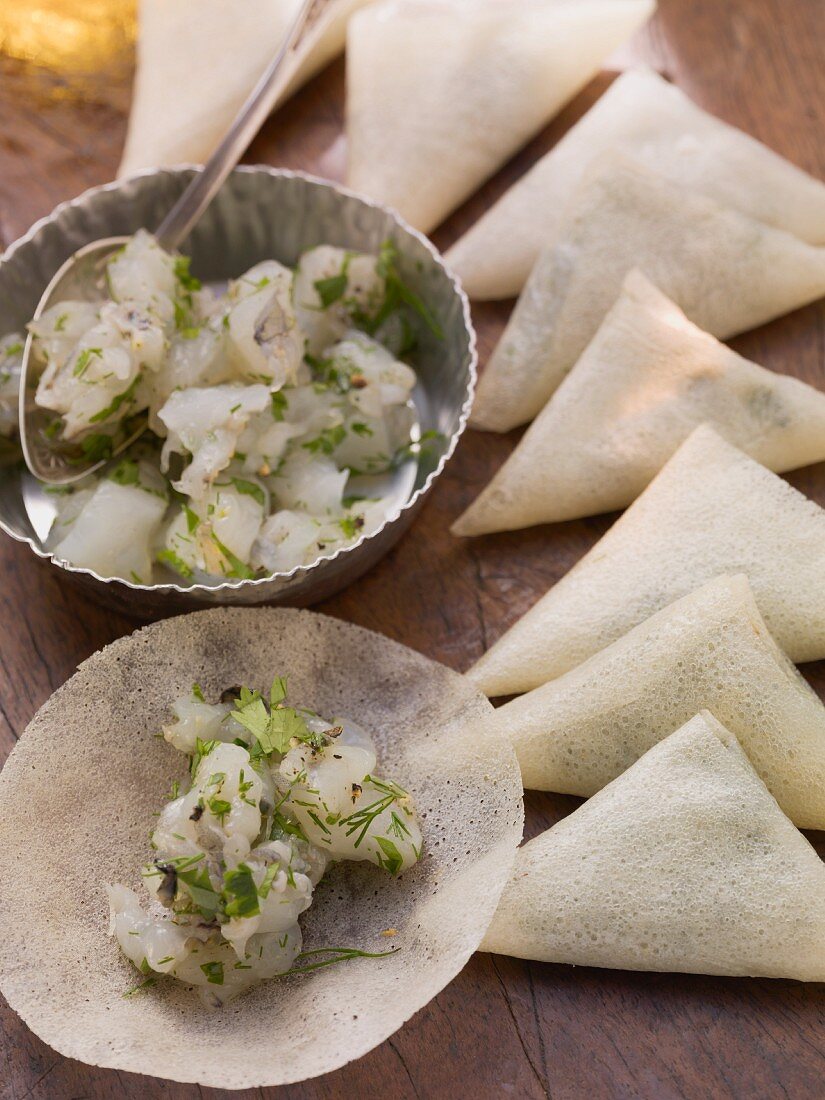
(504, 1027)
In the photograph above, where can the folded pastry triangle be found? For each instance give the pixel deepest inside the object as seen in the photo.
(711, 510)
(440, 93)
(727, 272)
(655, 124)
(647, 378)
(709, 650)
(683, 863)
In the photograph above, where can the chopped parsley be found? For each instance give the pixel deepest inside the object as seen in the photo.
(279, 405)
(170, 558)
(119, 399)
(83, 360)
(240, 894)
(334, 288)
(275, 726)
(327, 441)
(213, 972)
(237, 568)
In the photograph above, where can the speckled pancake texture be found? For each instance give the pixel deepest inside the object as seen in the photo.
(76, 802)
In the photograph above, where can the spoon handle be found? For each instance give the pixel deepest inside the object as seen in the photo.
(206, 183)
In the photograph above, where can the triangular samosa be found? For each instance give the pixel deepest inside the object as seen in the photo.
(440, 93)
(711, 510)
(656, 124)
(684, 863)
(198, 60)
(726, 271)
(710, 650)
(647, 378)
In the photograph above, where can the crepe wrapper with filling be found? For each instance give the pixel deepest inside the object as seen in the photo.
(440, 93)
(711, 510)
(683, 863)
(198, 60)
(728, 272)
(76, 802)
(709, 650)
(647, 378)
(656, 124)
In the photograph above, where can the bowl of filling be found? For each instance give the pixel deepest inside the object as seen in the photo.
(297, 377)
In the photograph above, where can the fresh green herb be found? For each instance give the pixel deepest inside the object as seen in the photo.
(335, 287)
(52, 429)
(268, 879)
(396, 295)
(361, 429)
(219, 807)
(279, 405)
(170, 558)
(60, 323)
(184, 276)
(213, 972)
(127, 395)
(202, 749)
(96, 447)
(282, 826)
(13, 349)
(360, 821)
(147, 983)
(238, 568)
(197, 693)
(191, 332)
(250, 489)
(339, 954)
(83, 360)
(392, 860)
(274, 727)
(126, 472)
(200, 889)
(351, 525)
(327, 441)
(192, 519)
(240, 893)
(331, 290)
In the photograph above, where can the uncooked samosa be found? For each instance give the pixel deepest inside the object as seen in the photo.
(726, 271)
(710, 650)
(711, 510)
(440, 93)
(198, 60)
(683, 863)
(647, 378)
(656, 124)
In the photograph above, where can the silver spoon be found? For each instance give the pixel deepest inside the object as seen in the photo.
(83, 274)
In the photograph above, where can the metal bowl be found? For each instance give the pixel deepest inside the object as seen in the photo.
(260, 213)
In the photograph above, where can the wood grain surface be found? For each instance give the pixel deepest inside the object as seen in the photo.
(504, 1028)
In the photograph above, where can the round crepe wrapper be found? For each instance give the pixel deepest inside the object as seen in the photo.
(76, 802)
